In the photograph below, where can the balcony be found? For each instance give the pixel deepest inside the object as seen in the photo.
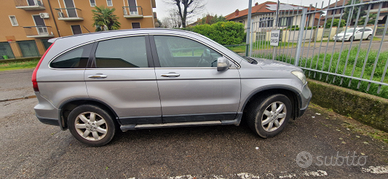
(69, 14)
(29, 5)
(38, 31)
(133, 12)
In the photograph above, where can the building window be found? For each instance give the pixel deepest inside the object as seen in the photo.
(135, 25)
(13, 20)
(92, 3)
(266, 22)
(76, 29)
(285, 21)
(46, 44)
(6, 51)
(28, 48)
(109, 2)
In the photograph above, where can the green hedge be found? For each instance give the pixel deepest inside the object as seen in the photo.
(225, 33)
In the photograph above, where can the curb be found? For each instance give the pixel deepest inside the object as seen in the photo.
(368, 109)
(14, 99)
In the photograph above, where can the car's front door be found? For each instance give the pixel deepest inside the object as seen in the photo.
(191, 89)
(123, 77)
(358, 34)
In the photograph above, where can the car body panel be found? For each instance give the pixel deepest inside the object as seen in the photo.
(198, 91)
(145, 96)
(129, 92)
(358, 32)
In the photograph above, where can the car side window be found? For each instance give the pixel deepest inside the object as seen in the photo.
(182, 52)
(76, 58)
(129, 52)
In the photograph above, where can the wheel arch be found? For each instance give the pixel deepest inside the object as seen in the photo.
(66, 107)
(291, 93)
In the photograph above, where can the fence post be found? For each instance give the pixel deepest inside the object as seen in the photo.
(248, 27)
(301, 28)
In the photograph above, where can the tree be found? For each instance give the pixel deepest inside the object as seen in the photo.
(187, 8)
(104, 19)
(371, 19)
(335, 23)
(173, 21)
(354, 12)
(209, 19)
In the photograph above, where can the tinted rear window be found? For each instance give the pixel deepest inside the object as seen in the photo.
(76, 58)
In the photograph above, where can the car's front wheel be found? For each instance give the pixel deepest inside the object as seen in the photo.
(91, 125)
(268, 116)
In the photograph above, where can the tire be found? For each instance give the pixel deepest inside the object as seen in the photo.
(351, 38)
(269, 116)
(369, 36)
(93, 131)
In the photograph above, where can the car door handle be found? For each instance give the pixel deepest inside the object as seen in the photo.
(171, 75)
(97, 76)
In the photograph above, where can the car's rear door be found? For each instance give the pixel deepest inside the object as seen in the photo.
(191, 89)
(122, 76)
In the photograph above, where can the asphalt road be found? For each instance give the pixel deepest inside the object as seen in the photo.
(31, 149)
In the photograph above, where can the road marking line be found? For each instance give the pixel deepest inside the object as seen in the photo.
(243, 175)
(376, 170)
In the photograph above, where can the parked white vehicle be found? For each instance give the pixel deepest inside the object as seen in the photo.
(358, 32)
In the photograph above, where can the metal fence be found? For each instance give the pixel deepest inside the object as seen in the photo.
(342, 44)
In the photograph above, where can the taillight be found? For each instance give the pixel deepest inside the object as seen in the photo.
(33, 79)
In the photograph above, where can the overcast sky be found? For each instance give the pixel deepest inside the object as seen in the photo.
(225, 7)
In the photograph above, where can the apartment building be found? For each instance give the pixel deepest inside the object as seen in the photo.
(26, 25)
(336, 9)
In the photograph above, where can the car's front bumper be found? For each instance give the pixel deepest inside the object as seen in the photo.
(340, 38)
(305, 97)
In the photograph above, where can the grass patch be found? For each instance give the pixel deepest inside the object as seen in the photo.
(341, 63)
(18, 65)
(260, 45)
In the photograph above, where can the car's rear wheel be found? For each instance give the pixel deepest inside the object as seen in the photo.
(369, 36)
(91, 125)
(269, 116)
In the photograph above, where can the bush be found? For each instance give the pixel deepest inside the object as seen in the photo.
(335, 23)
(225, 33)
(295, 27)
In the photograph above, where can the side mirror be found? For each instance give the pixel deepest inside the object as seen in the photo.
(222, 64)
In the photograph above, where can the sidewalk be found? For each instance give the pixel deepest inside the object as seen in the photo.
(16, 84)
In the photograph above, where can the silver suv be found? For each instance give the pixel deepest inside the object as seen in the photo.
(94, 84)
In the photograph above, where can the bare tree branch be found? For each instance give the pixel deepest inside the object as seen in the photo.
(187, 7)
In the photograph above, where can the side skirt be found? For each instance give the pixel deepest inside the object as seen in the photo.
(236, 122)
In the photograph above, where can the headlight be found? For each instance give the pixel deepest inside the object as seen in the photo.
(300, 75)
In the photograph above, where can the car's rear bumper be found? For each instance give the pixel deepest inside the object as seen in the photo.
(49, 121)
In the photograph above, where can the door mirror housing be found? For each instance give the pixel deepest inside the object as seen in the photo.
(222, 64)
